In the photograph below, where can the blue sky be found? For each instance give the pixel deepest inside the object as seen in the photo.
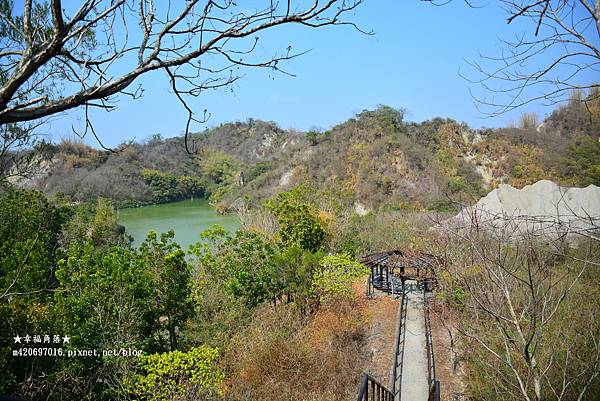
(412, 61)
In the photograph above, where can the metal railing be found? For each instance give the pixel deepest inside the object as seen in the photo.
(369, 287)
(434, 384)
(399, 345)
(383, 280)
(372, 390)
(434, 391)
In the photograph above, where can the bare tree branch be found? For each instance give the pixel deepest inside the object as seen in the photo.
(543, 64)
(96, 52)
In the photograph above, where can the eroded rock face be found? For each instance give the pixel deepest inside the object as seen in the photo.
(40, 170)
(286, 178)
(360, 209)
(542, 209)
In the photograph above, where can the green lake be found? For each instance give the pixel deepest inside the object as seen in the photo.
(187, 218)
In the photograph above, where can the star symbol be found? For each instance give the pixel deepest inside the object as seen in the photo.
(66, 339)
(17, 339)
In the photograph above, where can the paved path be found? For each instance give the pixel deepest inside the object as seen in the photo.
(414, 385)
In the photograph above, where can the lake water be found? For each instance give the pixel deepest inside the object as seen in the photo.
(187, 218)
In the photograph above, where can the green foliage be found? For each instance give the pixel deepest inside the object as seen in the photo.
(315, 137)
(298, 222)
(178, 375)
(28, 240)
(93, 222)
(252, 269)
(38, 296)
(585, 161)
(104, 223)
(99, 291)
(294, 269)
(528, 168)
(336, 274)
(312, 137)
(189, 186)
(218, 315)
(163, 185)
(218, 167)
(164, 262)
(218, 170)
(92, 287)
(455, 296)
(386, 117)
(243, 263)
(258, 169)
(102, 303)
(460, 176)
(166, 186)
(115, 297)
(29, 226)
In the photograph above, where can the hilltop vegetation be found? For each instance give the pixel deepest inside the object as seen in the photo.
(159, 170)
(376, 159)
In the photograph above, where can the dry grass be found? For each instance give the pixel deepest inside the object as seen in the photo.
(529, 120)
(382, 313)
(76, 153)
(285, 356)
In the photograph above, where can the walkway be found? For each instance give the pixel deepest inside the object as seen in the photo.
(414, 384)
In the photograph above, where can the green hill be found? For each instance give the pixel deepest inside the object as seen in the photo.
(376, 160)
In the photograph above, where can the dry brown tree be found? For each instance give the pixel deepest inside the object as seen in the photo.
(56, 57)
(555, 55)
(528, 307)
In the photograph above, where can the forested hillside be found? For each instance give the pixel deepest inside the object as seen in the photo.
(159, 170)
(376, 160)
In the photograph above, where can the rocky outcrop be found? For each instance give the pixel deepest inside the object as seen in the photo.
(542, 209)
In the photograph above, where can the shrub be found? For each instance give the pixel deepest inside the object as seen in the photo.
(29, 227)
(242, 263)
(298, 221)
(164, 262)
(335, 276)
(179, 375)
(584, 162)
(164, 185)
